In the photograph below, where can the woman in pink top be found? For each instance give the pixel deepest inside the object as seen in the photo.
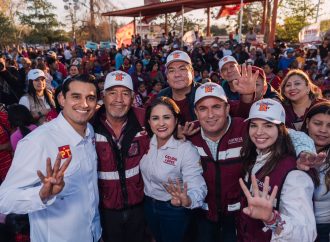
(20, 118)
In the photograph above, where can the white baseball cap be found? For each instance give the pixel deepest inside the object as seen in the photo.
(210, 90)
(225, 60)
(118, 78)
(35, 73)
(177, 55)
(267, 109)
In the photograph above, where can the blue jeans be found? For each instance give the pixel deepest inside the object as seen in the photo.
(323, 232)
(166, 222)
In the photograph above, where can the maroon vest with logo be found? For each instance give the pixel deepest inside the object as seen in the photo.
(222, 175)
(251, 230)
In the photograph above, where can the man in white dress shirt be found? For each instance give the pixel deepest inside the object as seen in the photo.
(61, 200)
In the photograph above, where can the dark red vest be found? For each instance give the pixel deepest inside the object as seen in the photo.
(222, 175)
(120, 181)
(251, 230)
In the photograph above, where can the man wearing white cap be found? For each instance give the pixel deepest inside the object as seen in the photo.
(219, 143)
(120, 145)
(180, 74)
(229, 71)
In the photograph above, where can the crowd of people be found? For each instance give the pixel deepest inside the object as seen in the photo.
(227, 142)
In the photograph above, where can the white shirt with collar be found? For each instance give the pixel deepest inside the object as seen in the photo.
(73, 214)
(176, 159)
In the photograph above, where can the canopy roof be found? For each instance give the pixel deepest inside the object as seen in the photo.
(170, 7)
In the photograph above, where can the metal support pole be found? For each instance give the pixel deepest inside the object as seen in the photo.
(182, 26)
(240, 22)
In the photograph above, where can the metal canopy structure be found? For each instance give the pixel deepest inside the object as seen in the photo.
(155, 9)
(171, 6)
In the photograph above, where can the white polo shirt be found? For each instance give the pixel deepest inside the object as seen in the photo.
(73, 214)
(175, 159)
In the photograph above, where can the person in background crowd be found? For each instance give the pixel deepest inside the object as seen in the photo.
(119, 59)
(213, 57)
(317, 126)
(271, 77)
(273, 212)
(126, 66)
(24, 70)
(139, 75)
(38, 100)
(264, 89)
(21, 122)
(155, 73)
(226, 49)
(67, 55)
(172, 174)
(5, 147)
(324, 49)
(285, 61)
(11, 86)
(240, 54)
(299, 94)
(250, 38)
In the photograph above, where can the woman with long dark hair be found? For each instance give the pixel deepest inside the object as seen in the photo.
(20, 119)
(39, 100)
(317, 126)
(281, 207)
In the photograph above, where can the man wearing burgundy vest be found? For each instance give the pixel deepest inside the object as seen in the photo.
(219, 142)
(120, 145)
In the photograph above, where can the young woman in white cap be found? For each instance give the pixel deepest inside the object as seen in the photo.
(39, 100)
(281, 207)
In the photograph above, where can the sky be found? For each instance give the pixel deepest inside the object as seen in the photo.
(324, 10)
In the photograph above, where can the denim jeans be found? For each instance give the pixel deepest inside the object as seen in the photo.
(323, 232)
(166, 222)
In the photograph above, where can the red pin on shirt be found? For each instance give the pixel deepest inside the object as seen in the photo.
(65, 151)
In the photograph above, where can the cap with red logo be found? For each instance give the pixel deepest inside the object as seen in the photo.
(210, 90)
(261, 72)
(269, 110)
(118, 78)
(35, 73)
(225, 60)
(178, 55)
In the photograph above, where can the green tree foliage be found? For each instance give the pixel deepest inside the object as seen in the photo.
(43, 23)
(298, 14)
(7, 30)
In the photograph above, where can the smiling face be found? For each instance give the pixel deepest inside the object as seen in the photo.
(162, 123)
(39, 84)
(296, 89)
(229, 71)
(179, 75)
(263, 134)
(79, 103)
(117, 100)
(318, 127)
(212, 114)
